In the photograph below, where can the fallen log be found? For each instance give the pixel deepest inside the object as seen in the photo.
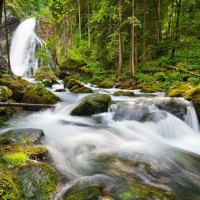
(183, 70)
(4, 104)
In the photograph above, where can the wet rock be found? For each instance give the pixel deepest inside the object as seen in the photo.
(156, 116)
(39, 180)
(92, 192)
(75, 86)
(130, 112)
(174, 107)
(92, 105)
(3, 65)
(124, 93)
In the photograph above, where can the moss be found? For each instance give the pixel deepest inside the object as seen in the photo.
(139, 191)
(126, 93)
(5, 93)
(39, 180)
(14, 159)
(33, 152)
(89, 193)
(149, 89)
(178, 91)
(106, 84)
(82, 90)
(10, 188)
(92, 105)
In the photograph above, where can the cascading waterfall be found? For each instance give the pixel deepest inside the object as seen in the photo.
(24, 45)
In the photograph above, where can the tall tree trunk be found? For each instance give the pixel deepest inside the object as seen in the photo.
(120, 39)
(169, 32)
(65, 35)
(178, 4)
(1, 10)
(132, 58)
(136, 44)
(89, 38)
(7, 40)
(159, 23)
(144, 32)
(71, 32)
(79, 19)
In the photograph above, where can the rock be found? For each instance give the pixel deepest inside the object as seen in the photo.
(92, 192)
(174, 107)
(10, 187)
(75, 86)
(3, 65)
(92, 105)
(156, 116)
(194, 96)
(30, 134)
(26, 92)
(60, 90)
(106, 84)
(124, 93)
(130, 112)
(179, 91)
(5, 93)
(39, 180)
(32, 152)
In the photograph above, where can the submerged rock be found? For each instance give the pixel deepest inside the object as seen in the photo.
(92, 192)
(156, 116)
(130, 112)
(92, 105)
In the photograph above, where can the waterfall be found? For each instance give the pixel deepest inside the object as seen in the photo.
(23, 47)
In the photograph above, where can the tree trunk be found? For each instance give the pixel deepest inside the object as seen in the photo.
(120, 39)
(79, 19)
(89, 38)
(132, 58)
(144, 32)
(71, 32)
(1, 10)
(178, 4)
(65, 35)
(7, 40)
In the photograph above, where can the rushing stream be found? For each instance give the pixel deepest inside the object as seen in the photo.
(93, 149)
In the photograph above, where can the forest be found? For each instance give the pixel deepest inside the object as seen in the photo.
(99, 100)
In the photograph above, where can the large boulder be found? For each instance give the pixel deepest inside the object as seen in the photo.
(92, 105)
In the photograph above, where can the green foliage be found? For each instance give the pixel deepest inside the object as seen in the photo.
(14, 159)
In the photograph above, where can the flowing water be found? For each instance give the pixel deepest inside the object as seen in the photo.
(24, 46)
(133, 141)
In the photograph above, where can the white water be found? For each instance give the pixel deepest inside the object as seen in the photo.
(23, 47)
(77, 144)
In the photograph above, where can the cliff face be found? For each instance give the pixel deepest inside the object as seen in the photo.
(12, 24)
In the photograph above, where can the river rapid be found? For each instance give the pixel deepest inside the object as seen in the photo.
(134, 141)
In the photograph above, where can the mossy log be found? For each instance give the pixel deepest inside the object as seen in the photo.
(7, 104)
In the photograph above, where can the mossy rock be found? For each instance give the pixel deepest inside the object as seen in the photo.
(6, 138)
(124, 93)
(33, 152)
(5, 93)
(24, 91)
(149, 89)
(106, 84)
(139, 191)
(10, 188)
(82, 90)
(39, 180)
(92, 105)
(70, 83)
(179, 91)
(92, 192)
